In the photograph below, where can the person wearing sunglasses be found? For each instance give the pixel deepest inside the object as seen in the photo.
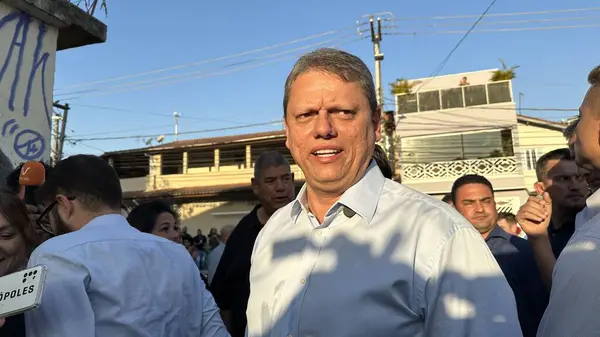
(105, 277)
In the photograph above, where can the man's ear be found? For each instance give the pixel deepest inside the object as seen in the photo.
(539, 188)
(376, 120)
(254, 185)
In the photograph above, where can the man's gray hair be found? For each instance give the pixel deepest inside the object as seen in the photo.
(225, 232)
(269, 159)
(346, 66)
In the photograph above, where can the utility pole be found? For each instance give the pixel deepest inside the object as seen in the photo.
(60, 134)
(55, 137)
(176, 115)
(376, 37)
(521, 95)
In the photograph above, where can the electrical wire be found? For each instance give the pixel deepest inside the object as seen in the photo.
(332, 43)
(496, 30)
(472, 16)
(203, 119)
(212, 60)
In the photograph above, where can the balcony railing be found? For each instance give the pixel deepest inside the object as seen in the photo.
(457, 168)
(453, 98)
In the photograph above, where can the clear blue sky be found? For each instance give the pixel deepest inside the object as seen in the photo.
(145, 35)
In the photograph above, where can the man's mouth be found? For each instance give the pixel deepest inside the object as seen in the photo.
(326, 153)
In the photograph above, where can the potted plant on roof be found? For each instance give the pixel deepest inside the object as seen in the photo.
(402, 86)
(505, 73)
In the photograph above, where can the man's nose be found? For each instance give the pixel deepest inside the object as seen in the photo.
(479, 208)
(324, 127)
(279, 185)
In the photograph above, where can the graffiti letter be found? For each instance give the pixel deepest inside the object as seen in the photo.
(21, 29)
(37, 62)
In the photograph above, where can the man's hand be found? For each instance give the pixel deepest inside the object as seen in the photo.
(534, 216)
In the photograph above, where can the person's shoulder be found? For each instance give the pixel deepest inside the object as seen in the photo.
(423, 207)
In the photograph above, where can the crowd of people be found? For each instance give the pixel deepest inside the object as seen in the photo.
(353, 253)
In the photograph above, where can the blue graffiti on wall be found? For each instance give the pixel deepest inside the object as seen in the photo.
(28, 144)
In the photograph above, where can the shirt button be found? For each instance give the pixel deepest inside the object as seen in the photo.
(289, 335)
(301, 281)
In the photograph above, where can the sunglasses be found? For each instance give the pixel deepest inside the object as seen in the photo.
(40, 220)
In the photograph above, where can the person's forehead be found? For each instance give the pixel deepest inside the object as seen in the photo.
(318, 87)
(275, 171)
(556, 167)
(591, 101)
(474, 191)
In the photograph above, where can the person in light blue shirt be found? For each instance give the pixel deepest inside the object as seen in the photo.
(215, 255)
(106, 278)
(356, 254)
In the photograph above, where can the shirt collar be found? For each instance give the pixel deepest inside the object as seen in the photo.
(362, 197)
(108, 219)
(498, 232)
(593, 202)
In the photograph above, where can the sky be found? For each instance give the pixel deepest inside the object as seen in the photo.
(175, 44)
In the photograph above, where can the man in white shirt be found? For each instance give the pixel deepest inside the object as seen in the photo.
(357, 254)
(105, 278)
(575, 296)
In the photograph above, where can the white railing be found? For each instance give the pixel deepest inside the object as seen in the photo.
(457, 168)
(455, 97)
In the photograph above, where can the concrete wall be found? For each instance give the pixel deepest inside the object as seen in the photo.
(214, 214)
(497, 116)
(27, 60)
(453, 80)
(534, 142)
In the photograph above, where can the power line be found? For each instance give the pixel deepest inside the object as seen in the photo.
(472, 16)
(443, 63)
(233, 64)
(454, 24)
(180, 133)
(156, 113)
(216, 59)
(277, 122)
(207, 75)
(495, 30)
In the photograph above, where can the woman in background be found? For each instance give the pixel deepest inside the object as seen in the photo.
(18, 238)
(156, 217)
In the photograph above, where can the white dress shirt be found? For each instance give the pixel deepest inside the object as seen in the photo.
(110, 280)
(574, 307)
(213, 261)
(386, 261)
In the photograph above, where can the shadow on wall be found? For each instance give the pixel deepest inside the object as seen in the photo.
(5, 168)
(381, 309)
(226, 213)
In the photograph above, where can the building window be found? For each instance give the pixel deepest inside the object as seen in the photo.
(429, 101)
(531, 157)
(480, 145)
(233, 156)
(475, 95)
(172, 163)
(452, 98)
(280, 147)
(407, 103)
(499, 92)
(201, 158)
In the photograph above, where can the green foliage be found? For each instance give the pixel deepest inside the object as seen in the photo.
(90, 5)
(505, 73)
(401, 86)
